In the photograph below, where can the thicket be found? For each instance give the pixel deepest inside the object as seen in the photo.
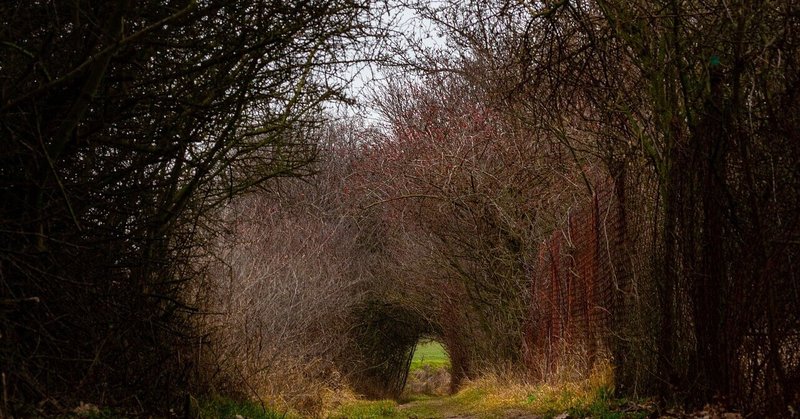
(627, 172)
(564, 184)
(124, 128)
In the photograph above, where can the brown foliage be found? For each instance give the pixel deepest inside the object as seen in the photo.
(123, 127)
(689, 109)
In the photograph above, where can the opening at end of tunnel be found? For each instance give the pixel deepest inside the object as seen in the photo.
(429, 369)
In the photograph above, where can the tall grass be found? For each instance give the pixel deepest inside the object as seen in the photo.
(225, 408)
(504, 393)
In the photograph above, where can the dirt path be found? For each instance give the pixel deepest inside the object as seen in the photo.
(439, 407)
(446, 408)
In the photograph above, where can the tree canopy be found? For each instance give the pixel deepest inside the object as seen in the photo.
(123, 125)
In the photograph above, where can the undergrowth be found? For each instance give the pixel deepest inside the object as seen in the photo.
(224, 408)
(495, 395)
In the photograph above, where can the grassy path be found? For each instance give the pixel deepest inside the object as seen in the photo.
(497, 397)
(450, 407)
(493, 396)
(488, 400)
(437, 407)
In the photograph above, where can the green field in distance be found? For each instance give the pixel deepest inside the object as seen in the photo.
(430, 352)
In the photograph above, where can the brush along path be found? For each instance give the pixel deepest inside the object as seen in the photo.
(493, 396)
(497, 396)
(486, 398)
(484, 402)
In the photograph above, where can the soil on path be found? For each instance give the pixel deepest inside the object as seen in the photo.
(444, 407)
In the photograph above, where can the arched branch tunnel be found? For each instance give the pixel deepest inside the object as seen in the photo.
(384, 339)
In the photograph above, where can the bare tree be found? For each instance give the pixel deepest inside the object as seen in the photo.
(690, 108)
(124, 125)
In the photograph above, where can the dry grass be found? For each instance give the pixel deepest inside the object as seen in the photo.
(506, 390)
(428, 380)
(504, 393)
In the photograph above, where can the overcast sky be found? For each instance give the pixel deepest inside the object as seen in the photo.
(406, 29)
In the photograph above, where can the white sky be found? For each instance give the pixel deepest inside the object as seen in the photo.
(406, 28)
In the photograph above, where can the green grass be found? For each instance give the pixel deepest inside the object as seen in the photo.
(367, 409)
(498, 395)
(492, 402)
(430, 353)
(605, 406)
